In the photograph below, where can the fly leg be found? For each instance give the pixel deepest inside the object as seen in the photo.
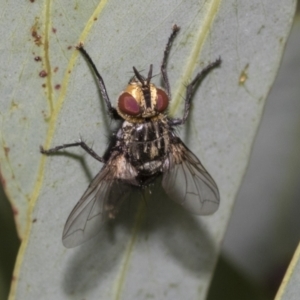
(82, 144)
(163, 67)
(111, 110)
(190, 89)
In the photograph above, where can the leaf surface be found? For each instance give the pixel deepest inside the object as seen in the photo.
(49, 97)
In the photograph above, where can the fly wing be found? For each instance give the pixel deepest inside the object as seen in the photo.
(186, 181)
(101, 201)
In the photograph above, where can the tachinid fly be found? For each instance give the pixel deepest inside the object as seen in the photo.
(144, 148)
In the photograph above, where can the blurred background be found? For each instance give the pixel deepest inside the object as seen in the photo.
(264, 229)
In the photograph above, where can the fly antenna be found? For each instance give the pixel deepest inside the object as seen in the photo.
(138, 76)
(149, 74)
(141, 78)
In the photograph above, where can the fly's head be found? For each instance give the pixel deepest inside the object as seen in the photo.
(141, 99)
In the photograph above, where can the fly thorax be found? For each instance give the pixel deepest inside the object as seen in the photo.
(145, 141)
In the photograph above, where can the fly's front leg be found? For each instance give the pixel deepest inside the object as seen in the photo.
(112, 111)
(82, 144)
(163, 68)
(190, 89)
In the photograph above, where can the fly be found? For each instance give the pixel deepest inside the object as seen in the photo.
(145, 147)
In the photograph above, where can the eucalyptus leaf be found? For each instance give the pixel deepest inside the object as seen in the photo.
(155, 249)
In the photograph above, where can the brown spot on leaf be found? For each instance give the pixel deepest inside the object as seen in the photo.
(2, 181)
(43, 74)
(15, 211)
(6, 150)
(244, 75)
(34, 32)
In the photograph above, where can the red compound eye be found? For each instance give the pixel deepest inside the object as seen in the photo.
(128, 105)
(162, 101)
